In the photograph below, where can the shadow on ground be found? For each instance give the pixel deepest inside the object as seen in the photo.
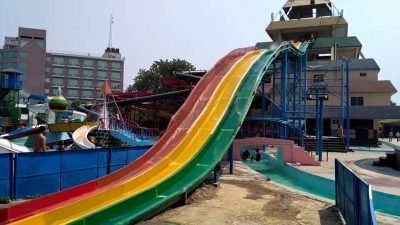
(330, 216)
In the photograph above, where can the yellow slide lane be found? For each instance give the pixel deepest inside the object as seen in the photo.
(196, 137)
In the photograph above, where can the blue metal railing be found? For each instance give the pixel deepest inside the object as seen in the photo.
(133, 129)
(353, 197)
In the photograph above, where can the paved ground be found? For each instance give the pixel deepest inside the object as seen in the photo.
(248, 198)
(381, 178)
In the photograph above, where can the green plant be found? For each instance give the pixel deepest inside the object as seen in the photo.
(5, 200)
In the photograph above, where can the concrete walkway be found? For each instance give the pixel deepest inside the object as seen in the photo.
(382, 179)
(394, 144)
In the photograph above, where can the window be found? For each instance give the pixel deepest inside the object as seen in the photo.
(9, 54)
(357, 101)
(115, 75)
(363, 74)
(58, 81)
(87, 63)
(88, 73)
(47, 80)
(9, 65)
(58, 71)
(48, 59)
(73, 62)
(47, 91)
(22, 67)
(23, 54)
(115, 85)
(102, 64)
(100, 94)
(40, 44)
(87, 83)
(72, 83)
(100, 84)
(22, 43)
(73, 72)
(54, 91)
(58, 60)
(72, 93)
(116, 65)
(87, 94)
(102, 74)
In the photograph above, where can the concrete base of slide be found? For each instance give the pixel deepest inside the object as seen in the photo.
(292, 153)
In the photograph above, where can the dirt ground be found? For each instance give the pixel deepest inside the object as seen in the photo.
(248, 198)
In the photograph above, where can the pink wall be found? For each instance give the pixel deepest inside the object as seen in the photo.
(291, 152)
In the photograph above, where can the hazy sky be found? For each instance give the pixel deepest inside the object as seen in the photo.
(198, 31)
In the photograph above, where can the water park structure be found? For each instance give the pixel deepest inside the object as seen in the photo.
(304, 80)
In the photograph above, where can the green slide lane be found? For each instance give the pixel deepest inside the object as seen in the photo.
(175, 187)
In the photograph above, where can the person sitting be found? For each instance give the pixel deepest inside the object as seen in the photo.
(258, 154)
(246, 155)
(39, 144)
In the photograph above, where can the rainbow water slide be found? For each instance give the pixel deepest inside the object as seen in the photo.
(197, 138)
(185, 116)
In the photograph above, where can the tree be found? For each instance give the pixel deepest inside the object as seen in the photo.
(151, 79)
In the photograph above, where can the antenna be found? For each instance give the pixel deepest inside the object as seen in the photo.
(110, 34)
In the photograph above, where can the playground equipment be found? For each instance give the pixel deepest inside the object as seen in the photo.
(197, 138)
(7, 147)
(80, 137)
(22, 132)
(58, 104)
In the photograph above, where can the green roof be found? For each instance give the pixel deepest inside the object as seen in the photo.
(267, 45)
(319, 43)
(342, 42)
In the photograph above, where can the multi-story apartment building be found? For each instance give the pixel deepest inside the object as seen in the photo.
(370, 98)
(79, 75)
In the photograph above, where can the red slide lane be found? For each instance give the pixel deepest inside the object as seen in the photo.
(185, 116)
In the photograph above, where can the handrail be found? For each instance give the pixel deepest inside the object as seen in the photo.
(134, 129)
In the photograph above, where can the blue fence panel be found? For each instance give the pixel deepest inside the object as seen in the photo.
(136, 152)
(353, 197)
(5, 174)
(37, 173)
(364, 213)
(47, 172)
(103, 161)
(78, 167)
(118, 158)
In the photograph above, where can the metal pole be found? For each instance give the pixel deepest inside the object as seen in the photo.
(347, 105)
(215, 175)
(301, 96)
(230, 157)
(283, 104)
(317, 125)
(263, 106)
(273, 107)
(294, 89)
(321, 127)
(341, 96)
(305, 91)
